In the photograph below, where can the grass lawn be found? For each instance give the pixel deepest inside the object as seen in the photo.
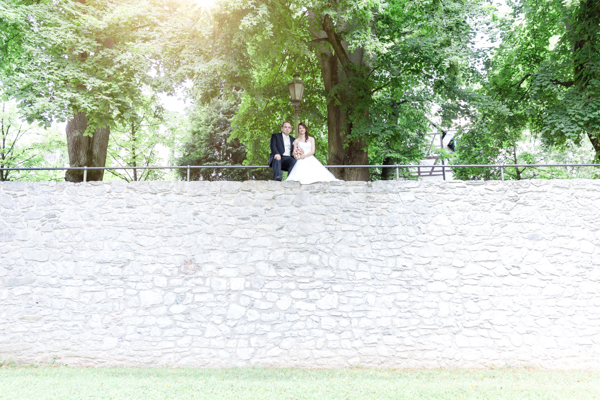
(38, 383)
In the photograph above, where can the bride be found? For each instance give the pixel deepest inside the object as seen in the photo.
(307, 168)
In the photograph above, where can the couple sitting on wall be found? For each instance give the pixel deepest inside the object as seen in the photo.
(297, 157)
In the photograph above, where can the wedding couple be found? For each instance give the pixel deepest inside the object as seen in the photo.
(296, 157)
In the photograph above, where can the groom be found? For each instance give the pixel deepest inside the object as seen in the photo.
(282, 145)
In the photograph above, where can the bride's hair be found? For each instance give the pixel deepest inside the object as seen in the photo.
(305, 132)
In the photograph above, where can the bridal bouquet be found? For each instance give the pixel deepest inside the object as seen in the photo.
(298, 153)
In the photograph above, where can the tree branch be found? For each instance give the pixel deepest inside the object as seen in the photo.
(521, 81)
(371, 71)
(381, 87)
(5, 47)
(147, 162)
(336, 43)
(565, 84)
(24, 161)
(118, 175)
(20, 134)
(317, 40)
(120, 165)
(145, 26)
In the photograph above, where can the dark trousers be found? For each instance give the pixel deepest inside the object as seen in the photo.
(286, 163)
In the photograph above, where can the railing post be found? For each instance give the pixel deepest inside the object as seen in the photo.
(502, 173)
(85, 173)
(188, 173)
(397, 172)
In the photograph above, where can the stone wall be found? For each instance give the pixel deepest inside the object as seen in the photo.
(386, 274)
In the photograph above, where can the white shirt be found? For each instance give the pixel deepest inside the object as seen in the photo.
(287, 144)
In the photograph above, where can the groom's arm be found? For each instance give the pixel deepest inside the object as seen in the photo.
(274, 148)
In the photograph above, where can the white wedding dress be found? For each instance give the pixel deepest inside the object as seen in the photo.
(309, 170)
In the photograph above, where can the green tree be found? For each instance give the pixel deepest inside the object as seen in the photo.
(209, 143)
(401, 129)
(349, 54)
(84, 62)
(543, 78)
(23, 145)
(150, 132)
(532, 150)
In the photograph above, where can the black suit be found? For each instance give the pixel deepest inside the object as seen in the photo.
(277, 147)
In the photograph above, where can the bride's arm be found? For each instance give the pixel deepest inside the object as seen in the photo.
(312, 147)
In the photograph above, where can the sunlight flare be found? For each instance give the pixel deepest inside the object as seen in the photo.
(205, 3)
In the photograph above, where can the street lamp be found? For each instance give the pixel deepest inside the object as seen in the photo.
(296, 91)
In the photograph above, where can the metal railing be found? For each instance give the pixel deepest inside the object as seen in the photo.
(396, 166)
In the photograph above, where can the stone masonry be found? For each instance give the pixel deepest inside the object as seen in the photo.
(383, 274)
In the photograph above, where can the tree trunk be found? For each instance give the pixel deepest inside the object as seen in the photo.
(85, 151)
(516, 160)
(3, 174)
(4, 153)
(595, 139)
(387, 174)
(341, 150)
(135, 177)
(585, 48)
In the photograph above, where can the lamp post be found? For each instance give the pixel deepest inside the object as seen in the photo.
(296, 91)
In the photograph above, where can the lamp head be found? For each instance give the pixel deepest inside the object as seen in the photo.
(296, 89)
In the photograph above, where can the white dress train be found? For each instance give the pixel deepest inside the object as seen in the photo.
(309, 170)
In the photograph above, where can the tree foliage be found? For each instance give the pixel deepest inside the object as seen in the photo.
(376, 73)
(543, 78)
(23, 145)
(209, 143)
(379, 53)
(143, 142)
(401, 128)
(65, 57)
